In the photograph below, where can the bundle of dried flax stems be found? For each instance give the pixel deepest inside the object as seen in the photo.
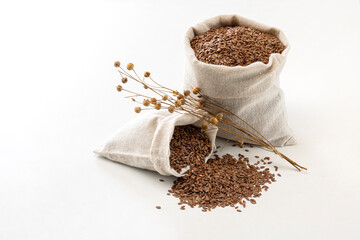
(197, 104)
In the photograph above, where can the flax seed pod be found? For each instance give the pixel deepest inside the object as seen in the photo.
(178, 103)
(171, 109)
(204, 126)
(137, 109)
(146, 102)
(130, 66)
(157, 106)
(213, 121)
(153, 101)
(117, 64)
(186, 93)
(196, 90)
(219, 116)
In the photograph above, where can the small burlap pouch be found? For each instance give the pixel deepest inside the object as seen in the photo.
(252, 92)
(144, 142)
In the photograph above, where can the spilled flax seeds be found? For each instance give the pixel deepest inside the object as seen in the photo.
(222, 181)
(233, 46)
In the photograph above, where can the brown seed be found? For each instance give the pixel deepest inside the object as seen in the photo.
(158, 207)
(161, 180)
(279, 174)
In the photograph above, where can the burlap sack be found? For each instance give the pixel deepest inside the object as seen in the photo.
(145, 141)
(252, 92)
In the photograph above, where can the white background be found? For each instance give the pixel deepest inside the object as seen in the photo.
(58, 102)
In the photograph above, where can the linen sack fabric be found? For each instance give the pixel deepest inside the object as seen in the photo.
(145, 141)
(251, 92)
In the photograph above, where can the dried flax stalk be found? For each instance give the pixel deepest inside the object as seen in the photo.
(197, 104)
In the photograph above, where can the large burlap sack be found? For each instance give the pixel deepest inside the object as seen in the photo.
(252, 92)
(145, 141)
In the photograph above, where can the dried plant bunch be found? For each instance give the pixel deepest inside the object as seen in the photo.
(193, 102)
